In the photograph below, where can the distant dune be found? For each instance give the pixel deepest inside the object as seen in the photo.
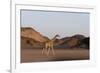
(31, 33)
(30, 38)
(75, 47)
(74, 41)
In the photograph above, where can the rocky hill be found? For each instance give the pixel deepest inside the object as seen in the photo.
(70, 42)
(30, 38)
(33, 34)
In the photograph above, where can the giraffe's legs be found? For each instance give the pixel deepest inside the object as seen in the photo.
(43, 50)
(48, 51)
(53, 50)
(48, 48)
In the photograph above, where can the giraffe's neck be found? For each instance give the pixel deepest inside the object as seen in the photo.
(53, 39)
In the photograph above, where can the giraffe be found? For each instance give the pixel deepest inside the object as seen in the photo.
(49, 45)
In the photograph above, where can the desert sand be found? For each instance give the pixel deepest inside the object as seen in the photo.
(66, 48)
(35, 55)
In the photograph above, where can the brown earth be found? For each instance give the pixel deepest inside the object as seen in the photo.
(32, 41)
(29, 32)
(31, 38)
(35, 55)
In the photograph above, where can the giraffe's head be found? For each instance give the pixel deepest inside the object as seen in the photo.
(57, 35)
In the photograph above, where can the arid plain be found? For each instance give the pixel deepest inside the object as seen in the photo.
(75, 47)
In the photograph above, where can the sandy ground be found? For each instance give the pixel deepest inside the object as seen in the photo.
(35, 55)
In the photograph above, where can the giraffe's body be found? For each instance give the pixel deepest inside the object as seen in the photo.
(49, 46)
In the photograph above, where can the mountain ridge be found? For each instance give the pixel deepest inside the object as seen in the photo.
(30, 36)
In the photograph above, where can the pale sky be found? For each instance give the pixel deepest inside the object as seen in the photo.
(50, 23)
